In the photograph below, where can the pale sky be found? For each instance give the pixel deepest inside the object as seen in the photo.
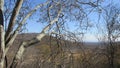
(90, 38)
(34, 27)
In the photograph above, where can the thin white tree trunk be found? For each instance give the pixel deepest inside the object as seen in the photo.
(2, 35)
(21, 24)
(23, 46)
(2, 61)
(13, 18)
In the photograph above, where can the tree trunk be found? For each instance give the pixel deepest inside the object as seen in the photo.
(2, 37)
(13, 19)
(35, 40)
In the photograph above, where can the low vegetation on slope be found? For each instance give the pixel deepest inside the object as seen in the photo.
(49, 53)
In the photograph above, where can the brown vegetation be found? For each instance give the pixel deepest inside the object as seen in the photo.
(42, 56)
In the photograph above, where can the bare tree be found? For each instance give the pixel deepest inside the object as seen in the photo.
(53, 11)
(110, 34)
